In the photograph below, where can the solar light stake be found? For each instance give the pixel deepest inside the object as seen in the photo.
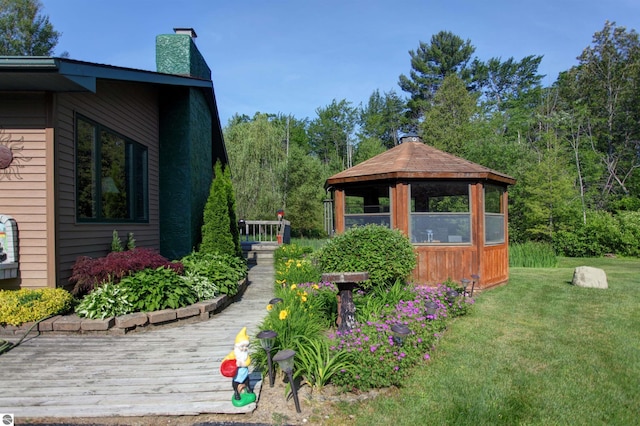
(465, 283)
(399, 333)
(267, 340)
(284, 358)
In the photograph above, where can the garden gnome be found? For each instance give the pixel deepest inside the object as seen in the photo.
(242, 392)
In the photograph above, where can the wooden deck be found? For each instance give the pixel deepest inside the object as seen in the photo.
(166, 371)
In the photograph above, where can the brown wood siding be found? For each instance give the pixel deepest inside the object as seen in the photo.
(495, 265)
(131, 110)
(437, 264)
(25, 192)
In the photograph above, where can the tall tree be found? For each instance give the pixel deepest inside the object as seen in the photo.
(447, 125)
(607, 80)
(257, 159)
(24, 31)
(500, 82)
(446, 54)
(331, 134)
(305, 193)
(381, 118)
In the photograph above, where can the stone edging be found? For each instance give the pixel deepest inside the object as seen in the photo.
(137, 321)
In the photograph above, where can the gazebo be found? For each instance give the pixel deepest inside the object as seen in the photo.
(453, 210)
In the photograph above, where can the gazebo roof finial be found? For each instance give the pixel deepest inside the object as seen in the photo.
(410, 137)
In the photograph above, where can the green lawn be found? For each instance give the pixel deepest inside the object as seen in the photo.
(537, 351)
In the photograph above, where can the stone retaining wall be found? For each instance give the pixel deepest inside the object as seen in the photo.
(137, 321)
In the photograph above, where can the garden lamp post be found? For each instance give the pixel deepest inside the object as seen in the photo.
(284, 358)
(475, 278)
(465, 283)
(399, 332)
(275, 301)
(430, 307)
(267, 340)
(451, 295)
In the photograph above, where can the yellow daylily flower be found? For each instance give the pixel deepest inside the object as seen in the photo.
(283, 314)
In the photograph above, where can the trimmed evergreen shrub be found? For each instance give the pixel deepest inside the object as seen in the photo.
(386, 254)
(216, 235)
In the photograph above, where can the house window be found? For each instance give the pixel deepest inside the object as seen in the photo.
(440, 213)
(493, 215)
(111, 175)
(367, 204)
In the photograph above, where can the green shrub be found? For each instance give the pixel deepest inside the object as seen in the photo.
(108, 300)
(155, 289)
(602, 233)
(216, 228)
(629, 225)
(386, 254)
(25, 305)
(532, 255)
(223, 271)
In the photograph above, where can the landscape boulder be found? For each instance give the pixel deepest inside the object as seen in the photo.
(587, 276)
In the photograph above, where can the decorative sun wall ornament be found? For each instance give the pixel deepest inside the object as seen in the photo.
(11, 157)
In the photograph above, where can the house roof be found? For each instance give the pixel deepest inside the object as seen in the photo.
(416, 160)
(45, 73)
(50, 74)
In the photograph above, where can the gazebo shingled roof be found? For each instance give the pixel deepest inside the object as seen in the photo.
(416, 160)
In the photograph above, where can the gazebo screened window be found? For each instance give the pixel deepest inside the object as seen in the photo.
(367, 204)
(440, 212)
(493, 215)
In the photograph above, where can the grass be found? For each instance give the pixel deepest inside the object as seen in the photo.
(537, 351)
(314, 243)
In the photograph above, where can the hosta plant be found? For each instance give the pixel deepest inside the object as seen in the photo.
(222, 270)
(108, 300)
(156, 289)
(205, 288)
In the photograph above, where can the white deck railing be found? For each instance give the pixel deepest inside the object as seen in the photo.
(276, 231)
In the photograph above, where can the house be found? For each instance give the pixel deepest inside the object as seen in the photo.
(453, 210)
(86, 149)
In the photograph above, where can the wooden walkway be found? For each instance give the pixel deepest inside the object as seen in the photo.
(165, 371)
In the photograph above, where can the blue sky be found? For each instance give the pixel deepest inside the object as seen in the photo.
(294, 56)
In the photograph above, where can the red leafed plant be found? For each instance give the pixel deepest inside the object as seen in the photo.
(90, 272)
